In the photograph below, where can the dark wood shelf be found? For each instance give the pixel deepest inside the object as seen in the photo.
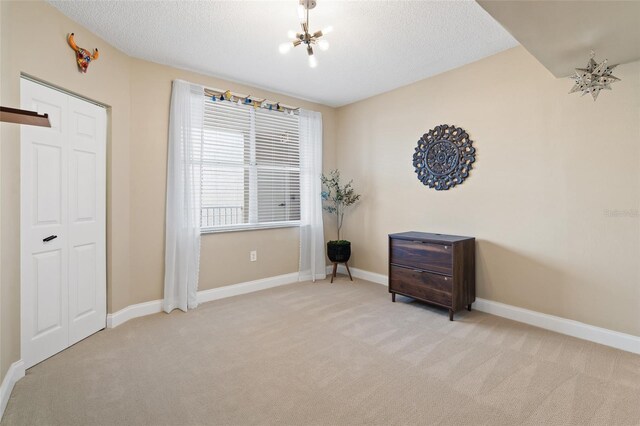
(21, 116)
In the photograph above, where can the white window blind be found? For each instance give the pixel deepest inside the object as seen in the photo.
(250, 167)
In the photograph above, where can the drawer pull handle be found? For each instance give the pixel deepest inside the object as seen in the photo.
(49, 238)
(427, 242)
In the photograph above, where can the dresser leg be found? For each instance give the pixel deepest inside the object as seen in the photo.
(450, 314)
(469, 307)
(393, 297)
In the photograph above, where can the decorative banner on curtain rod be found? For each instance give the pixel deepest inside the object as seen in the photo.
(228, 95)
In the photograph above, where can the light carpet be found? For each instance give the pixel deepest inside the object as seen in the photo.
(328, 354)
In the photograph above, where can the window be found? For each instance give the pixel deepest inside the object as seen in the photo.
(250, 168)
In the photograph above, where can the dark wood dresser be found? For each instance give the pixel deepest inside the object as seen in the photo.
(434, 268)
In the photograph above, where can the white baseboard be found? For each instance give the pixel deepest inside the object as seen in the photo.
(361, 273)
(133, 311)
(309, 277)
(14, 373)
(155, 306)
(247, 287)
(603, 336)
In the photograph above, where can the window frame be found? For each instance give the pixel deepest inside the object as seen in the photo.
(251, 190)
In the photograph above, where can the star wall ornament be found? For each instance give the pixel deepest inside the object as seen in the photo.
(594, 78)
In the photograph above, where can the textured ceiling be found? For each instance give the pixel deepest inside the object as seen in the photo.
(561, 34)
(376, 46)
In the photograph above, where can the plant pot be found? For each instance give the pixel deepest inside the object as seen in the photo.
(339, 251)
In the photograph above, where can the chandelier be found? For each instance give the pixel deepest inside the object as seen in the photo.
(305, 37)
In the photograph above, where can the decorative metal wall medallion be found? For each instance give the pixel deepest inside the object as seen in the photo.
(444, 157)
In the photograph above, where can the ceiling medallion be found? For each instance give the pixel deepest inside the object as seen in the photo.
(594, 78)
(444, 157)
(305, 37)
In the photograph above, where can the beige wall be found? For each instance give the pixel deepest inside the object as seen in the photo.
(225, 256)
(548, 167)
(137, 93)
(28, 48)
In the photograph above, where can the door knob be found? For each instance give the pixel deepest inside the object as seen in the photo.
(49, 238)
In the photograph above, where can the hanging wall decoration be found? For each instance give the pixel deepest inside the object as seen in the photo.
(83, 56)
(246, 100)
(594, 78)
(444, 157)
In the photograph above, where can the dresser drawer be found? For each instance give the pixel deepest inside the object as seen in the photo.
(422, 255)
(422, 285)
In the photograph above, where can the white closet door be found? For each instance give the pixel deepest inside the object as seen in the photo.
(87, 198)
(43, 168)
(62, 264)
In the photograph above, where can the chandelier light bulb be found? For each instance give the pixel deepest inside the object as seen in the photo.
(323, 44)
(327, 30)
(301, 14)
(285, 47)
(313, 62)
(291, 34)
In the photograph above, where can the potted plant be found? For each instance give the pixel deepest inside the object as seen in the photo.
(336, 199)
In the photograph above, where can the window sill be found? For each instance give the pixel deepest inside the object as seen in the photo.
(240, 228)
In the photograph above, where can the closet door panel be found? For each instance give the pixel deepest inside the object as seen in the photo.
(43, 232)
(87, 222)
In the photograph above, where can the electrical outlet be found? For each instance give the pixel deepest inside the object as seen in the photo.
(253, 255)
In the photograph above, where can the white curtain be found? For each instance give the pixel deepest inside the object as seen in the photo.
(312, 260)
(182, 249)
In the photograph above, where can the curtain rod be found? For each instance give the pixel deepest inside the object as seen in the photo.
(250, 100)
